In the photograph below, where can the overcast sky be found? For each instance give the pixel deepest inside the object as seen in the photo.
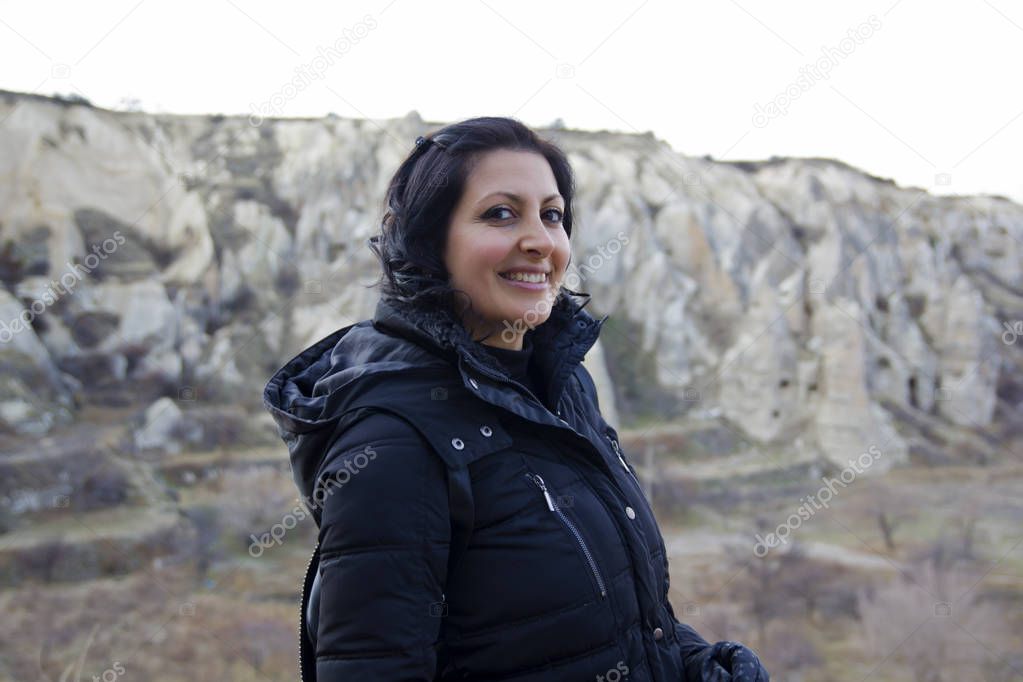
(925, 93)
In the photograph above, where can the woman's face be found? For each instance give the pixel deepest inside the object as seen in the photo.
(508, 220)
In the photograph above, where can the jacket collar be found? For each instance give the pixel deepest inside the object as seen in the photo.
(559, 344)
(327, 386)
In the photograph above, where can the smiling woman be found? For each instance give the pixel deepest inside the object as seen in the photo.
(474, 215)
(499, 531)
(508, 249)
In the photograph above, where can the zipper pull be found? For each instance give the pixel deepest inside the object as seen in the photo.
(539, 482)
(618, 452)
(624, 465)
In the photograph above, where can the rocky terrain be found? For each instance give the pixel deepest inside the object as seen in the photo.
(772, 323)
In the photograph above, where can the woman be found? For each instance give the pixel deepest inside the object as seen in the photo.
(477, 518)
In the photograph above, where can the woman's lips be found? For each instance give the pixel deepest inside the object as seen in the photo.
(531, 286)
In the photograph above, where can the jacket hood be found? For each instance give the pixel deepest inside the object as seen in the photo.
(310, 396)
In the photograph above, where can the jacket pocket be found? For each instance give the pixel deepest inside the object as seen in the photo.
(553, 506)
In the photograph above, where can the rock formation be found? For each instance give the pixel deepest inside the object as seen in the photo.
(791, 300)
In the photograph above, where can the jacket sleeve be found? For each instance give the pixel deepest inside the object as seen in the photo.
(693, 648)
(384, 541)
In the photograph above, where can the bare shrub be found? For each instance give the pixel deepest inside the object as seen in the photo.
(206, 548)
(254, 498)
(673, 497)
(158, 631)
(933, 621)
(790, 652)
(890, 510)
(8, 521)
(42, 562)
(785, 585)
(761, 588)
(804, 580)
(101, 489)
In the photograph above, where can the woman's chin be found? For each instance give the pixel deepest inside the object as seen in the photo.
(525, 317)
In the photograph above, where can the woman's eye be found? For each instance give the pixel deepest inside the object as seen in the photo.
(553, 214)
(558, 217)
(493, 213)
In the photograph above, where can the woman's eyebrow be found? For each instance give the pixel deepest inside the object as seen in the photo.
(517, 198)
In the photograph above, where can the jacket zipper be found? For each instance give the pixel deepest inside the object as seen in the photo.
(301, 615)
(614, 444)
(579, 538)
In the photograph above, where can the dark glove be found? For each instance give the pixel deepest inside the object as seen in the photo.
(730, 662)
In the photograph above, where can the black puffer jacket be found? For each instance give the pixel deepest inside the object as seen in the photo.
(467, 531)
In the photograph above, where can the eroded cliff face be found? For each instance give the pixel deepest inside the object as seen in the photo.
(793, 301)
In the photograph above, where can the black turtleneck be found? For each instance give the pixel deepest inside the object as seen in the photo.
(517, 364)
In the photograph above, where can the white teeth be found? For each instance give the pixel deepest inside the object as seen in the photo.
(524, 277)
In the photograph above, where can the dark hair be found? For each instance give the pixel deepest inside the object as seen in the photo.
(424, 192)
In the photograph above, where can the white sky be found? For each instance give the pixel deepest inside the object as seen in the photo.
(929, 97)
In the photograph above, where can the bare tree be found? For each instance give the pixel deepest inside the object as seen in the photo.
(794, 654)
(933, 622)
(890, 509)
(803, 579)
(759, 583)
(955, 544)
(965, 523)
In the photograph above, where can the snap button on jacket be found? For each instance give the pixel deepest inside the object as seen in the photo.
(468, 531)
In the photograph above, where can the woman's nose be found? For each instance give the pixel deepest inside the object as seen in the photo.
(538, 237)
